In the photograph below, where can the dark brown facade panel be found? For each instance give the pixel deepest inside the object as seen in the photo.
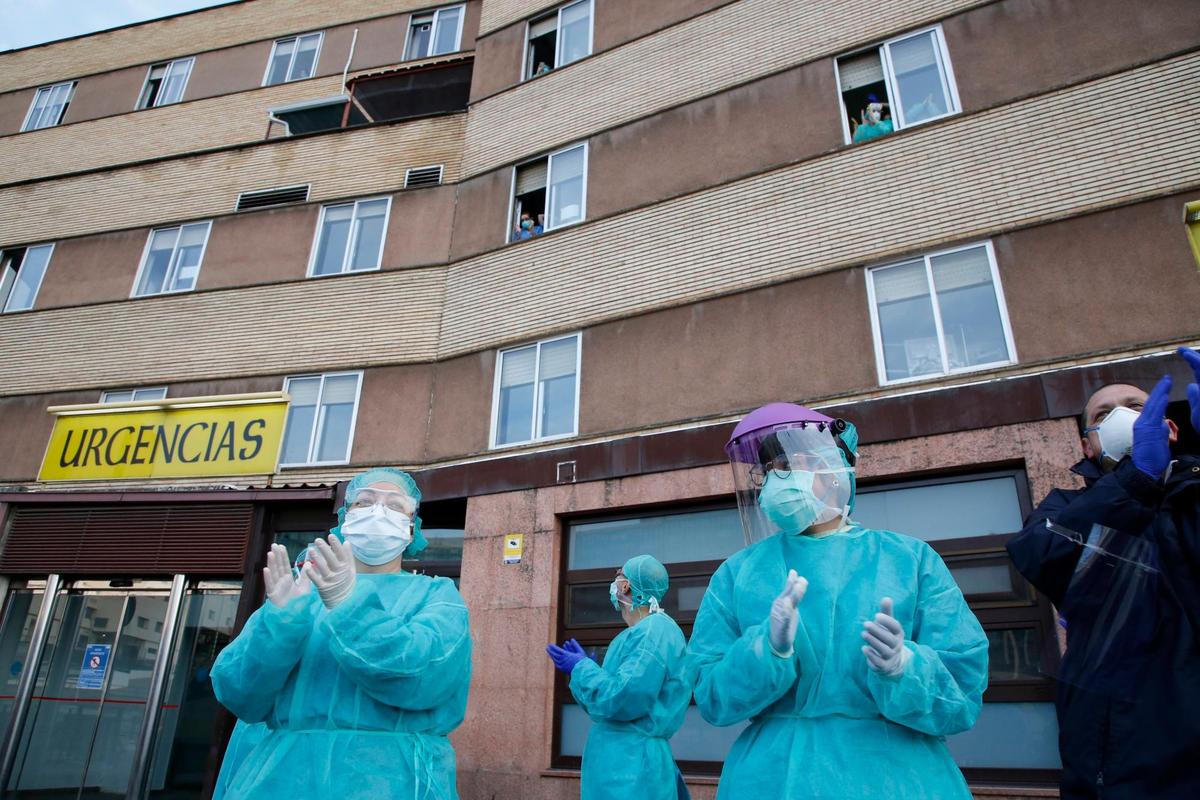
(419, 228)
(499, 57)
(715, 140)
(127, 539)
(92, 269)
(1100, 282)
(259, 247)
(393, 415)
(25, 431)
(1016, 48)
(234, 69)
(13, 108)
(107, 93)
(481, 214)
(808, 338)
(461, 408)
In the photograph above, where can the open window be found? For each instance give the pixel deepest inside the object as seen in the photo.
(49, 105)
(903, 82)
(21, 273)
(558, 38)
(165, 83)
(549, 192)
(434, 33)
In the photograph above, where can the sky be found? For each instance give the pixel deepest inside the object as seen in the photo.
(28, 22)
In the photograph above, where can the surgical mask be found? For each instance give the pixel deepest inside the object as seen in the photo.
(1116, 433)
(526, 224)
(789, 502)
(614, 596)
(377, 534)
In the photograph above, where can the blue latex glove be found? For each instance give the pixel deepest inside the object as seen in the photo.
(1193, 389)
(566, 658)
(1151, 445)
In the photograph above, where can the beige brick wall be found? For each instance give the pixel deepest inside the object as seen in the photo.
(303, 326)
(689, 60)
(500, 13)
(357, 162)
(184, 35)
(1056, 155)
(966, 178)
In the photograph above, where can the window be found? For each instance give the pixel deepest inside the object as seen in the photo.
(968, 519)
(21, 273)
(939, 314)
(129, 395)
(434, 33)
(558, 38)
(320, 418)
(172, 259)
(537, 392)
(564, 173)
(293, 59)
(350, 237)
(691, 542)
(907, 80)
(165, 83)
(49, 105)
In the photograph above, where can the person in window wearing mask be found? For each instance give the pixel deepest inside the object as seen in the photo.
(850, 651)
(359, 669)
(637, 700)
(1128, 712)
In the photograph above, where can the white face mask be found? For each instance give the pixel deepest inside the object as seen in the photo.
(377, 534)
(1116, 433)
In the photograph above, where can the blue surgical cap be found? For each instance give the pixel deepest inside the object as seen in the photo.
(647, 578)
(398, 478)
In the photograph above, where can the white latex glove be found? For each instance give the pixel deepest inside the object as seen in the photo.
(332, 570)
(885, 650)
(277, 577)
(785, 616)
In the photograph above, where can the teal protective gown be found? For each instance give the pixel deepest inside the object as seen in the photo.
(242, 741)
(636, 702)
(359, 699)
(823, 724)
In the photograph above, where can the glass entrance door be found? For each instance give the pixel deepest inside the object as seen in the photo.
(89, 699)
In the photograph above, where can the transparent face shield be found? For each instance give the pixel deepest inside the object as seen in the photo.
(789, 478)
(1109, 612)
(392, 499)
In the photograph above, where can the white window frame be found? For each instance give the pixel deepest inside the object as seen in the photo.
(170, 65)
(881, 364)
(433, 32)
(104, 396)
(174, 266)
(537, 392)
(48, 90)
(351, 239)
(319, 419)
(292, 60)
(525, 76)
(512, 191)
(883, 49)
(4, 309)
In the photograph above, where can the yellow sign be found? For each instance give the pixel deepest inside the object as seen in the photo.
(1191, 218)
(186, 438)
(514, 546)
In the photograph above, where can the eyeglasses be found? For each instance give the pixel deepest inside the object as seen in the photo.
(779, 468)
(395, 501)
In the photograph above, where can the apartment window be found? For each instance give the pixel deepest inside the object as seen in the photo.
(939, 314)
(905, 81)
(691, 542)
(131, 395)
(49, 105)
(21, 273)
(968, 519)
(536, 392)
(172, 259)
(558, 38)
(350, 237)
(165, 83)
(320, 418)
(434, 32)
(549, 192)
(293, 59)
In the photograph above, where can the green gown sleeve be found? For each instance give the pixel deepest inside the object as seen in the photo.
(941, 690)
(630, 691)
(737, 675)
(415, 663)
(253, 668)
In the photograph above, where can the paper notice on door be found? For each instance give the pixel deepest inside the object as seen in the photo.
(95, 663)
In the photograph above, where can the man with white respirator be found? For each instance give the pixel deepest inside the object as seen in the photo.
(361, 681)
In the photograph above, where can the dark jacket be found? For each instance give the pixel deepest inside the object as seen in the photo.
(1146, 747)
